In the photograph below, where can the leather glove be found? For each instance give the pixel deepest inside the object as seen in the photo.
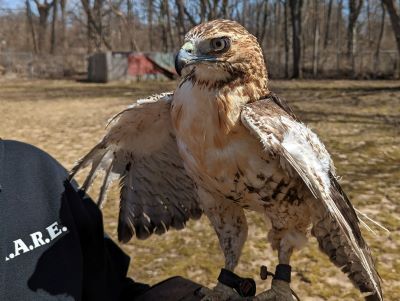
(280, 291)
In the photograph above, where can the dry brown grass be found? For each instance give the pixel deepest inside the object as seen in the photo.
(359, 122)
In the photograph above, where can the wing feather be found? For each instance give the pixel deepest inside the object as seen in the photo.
(274, 123)
(140, 150)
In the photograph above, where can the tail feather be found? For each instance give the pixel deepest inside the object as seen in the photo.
(334, 244)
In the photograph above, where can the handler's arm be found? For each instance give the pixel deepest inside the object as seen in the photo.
(52, 243)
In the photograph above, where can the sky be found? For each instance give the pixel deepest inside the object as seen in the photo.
(11, 4)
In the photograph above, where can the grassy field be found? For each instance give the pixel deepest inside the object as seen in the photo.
(359, 121)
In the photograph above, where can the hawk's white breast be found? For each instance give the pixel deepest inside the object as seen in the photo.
(232, 164)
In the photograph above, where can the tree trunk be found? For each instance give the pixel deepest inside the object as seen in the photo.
(274, 35)
(395, 20)
(295, 9)
(224, 9)
(31, 26)
(316, 38)
(328, 22)
(44, 11)
(163, 23)
(203, 11)
(338, 21)
(53, 40)
(63, 4)
(214, 9)
(286, 4)
(369, 24)
(95, 30)
(257, 20)
(264, 22)
(187, 14)
(169, 27)
(130, 23)
(98, 23)
(181, 20)
(378, 44)
(150, 22)
(244, 13)
(354, 12)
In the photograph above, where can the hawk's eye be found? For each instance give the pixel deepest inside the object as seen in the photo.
(220, 44)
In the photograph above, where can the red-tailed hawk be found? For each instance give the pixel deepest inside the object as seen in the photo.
(223, 143)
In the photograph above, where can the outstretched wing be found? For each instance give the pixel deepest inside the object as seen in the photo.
(140, 150)
(302, 153)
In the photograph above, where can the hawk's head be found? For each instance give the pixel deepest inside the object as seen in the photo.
(220, 52)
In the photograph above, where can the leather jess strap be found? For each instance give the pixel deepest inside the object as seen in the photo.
(246, 287)
(282, 272)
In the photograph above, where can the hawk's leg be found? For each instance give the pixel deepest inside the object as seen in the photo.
(284, 253)
(230, 224)
(285, 241)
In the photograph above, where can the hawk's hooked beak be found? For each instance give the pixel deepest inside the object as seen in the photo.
(187, 56)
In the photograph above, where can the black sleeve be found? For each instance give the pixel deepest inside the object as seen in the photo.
(104, 264)
(52, 242)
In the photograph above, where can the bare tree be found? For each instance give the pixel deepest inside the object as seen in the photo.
(181, 7)
(338, 21)
(264, 20)
(127, 20)
(44, 11)
(378, 43)
(164, 26)
(354, 12)
(169, 27)
(369, 29)
(130, 24)
(63, 4)
(277, 12)
(286, 35)
(53, 28)
(257, 19)
(213, 9)
(292, 33)
(203, 10)
(395, 20)
(31, 25)
(316, 38)
(181, 20)
(95, 27)
(327, 25)
(224, 9)
(295, 10)
(150, 8)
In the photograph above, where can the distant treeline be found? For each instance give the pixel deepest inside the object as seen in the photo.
(300, 38)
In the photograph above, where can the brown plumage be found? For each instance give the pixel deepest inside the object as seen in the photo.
(223, 142)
